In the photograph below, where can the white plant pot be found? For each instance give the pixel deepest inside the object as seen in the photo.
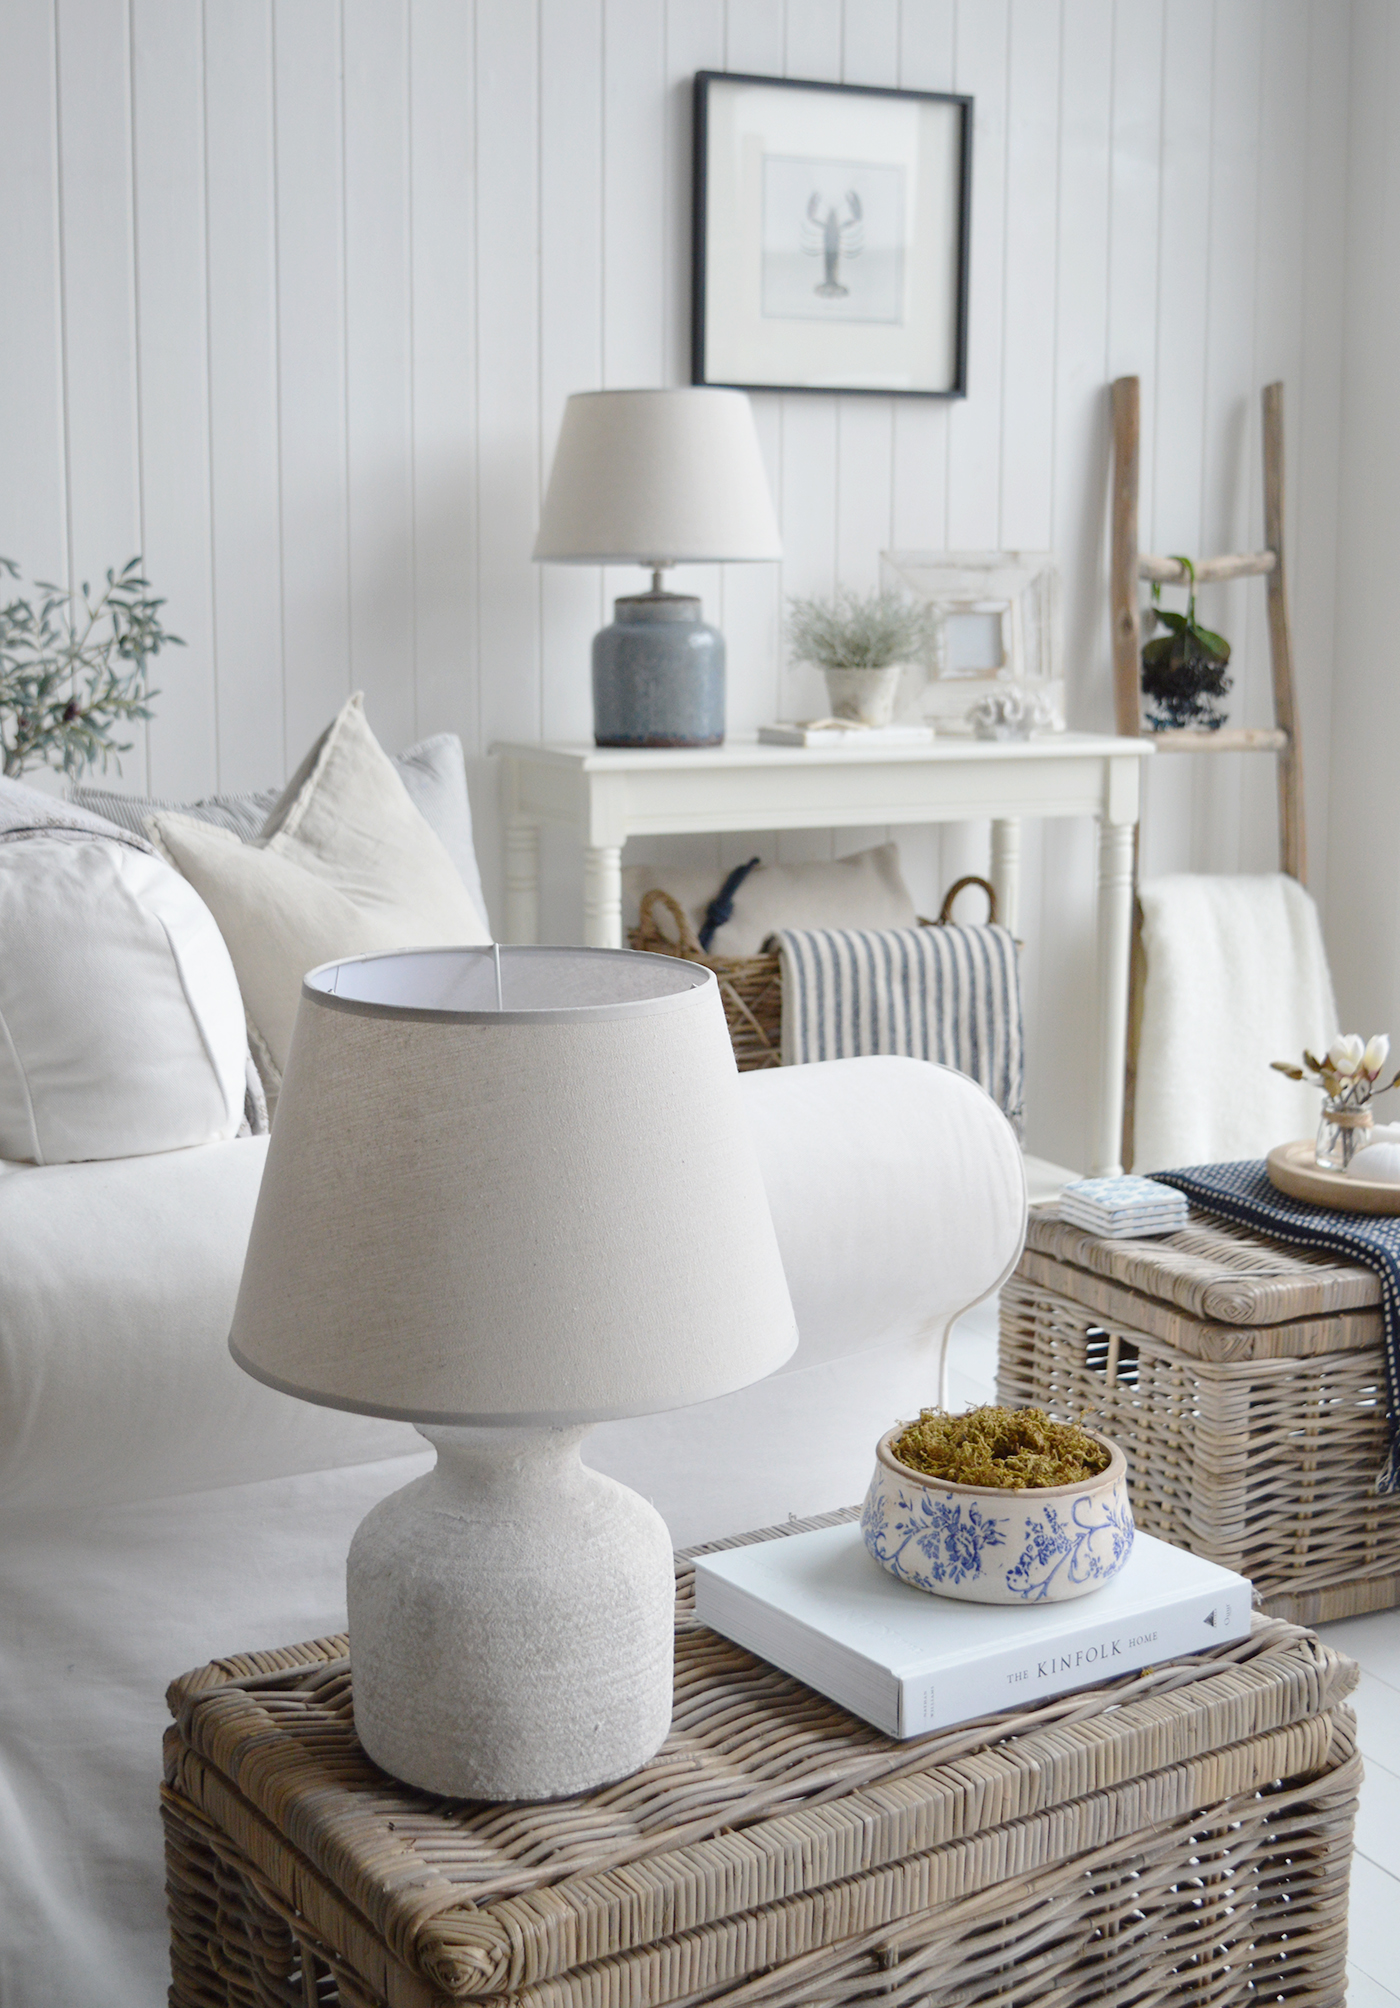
(1040, 1545)
(865, 696)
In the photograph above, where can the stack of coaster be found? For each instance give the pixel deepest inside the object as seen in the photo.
(1120, 1209)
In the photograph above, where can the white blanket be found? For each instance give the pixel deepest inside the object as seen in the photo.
(1236, 977)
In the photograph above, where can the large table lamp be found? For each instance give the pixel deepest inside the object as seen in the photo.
(658, 478)
(511, 1193)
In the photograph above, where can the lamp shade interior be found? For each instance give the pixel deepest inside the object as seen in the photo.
(549, 1211)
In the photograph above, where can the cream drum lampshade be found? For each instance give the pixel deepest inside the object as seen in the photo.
(510, 1193)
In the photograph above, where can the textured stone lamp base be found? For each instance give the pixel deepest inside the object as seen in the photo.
(511, 1621)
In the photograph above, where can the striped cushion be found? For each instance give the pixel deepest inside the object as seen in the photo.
(243, 814)
(948, 994)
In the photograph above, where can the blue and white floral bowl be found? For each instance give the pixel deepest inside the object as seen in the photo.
(1042, 1545)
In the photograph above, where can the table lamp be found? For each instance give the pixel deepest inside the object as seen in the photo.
(658, 478)
(510, 1193)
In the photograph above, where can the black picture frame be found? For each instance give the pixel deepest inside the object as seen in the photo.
(900, 328)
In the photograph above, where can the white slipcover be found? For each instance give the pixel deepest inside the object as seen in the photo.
(158, 1509)
(121, 1024)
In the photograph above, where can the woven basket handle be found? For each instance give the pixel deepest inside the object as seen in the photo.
(945, 912)
(684, 942)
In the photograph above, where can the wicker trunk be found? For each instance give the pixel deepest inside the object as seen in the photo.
(1247, 1385)
(1181, 1835)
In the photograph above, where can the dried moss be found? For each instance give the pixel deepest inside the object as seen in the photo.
(1012, 1448)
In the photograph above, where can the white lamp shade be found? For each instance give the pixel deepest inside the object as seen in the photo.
(657, 477)
(547, 1213)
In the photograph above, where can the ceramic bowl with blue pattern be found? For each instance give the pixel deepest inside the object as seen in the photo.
(1041, 1545)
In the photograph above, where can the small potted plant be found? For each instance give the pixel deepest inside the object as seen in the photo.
(1183, 671)
(861, 643)
(72, 671)
(998, 1506)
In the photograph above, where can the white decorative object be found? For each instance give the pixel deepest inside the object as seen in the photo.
(509, 1195)
(347, 865)
(984, 1545)
(999, 624)
(1012, 713)
(121, 1026)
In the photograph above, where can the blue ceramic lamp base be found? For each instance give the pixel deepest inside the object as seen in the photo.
(658, 674)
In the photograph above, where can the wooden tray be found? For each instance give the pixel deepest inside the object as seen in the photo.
(1294, 1169)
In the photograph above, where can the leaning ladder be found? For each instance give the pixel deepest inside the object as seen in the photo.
(1128, 566)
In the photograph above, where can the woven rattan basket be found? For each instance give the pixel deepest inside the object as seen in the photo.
(1246, 1383)
(1178, 1836)
(751, 986)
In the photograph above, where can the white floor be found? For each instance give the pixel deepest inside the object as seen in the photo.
(1373, 1969)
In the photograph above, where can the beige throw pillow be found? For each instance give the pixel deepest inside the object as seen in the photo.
(866, 889)
(346, 865)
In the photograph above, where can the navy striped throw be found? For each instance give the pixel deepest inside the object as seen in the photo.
(948, 994)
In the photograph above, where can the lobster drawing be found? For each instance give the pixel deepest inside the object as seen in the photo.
(831, 237)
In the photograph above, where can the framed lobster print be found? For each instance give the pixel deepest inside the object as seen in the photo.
(831, 237)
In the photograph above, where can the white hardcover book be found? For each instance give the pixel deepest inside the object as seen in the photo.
(840, 735)
(821, 1608)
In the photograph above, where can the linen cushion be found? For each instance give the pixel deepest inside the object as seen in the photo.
(346, 865)
(433, 772)
(121, 1026)
(866, 889)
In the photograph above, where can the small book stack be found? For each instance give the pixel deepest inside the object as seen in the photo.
(1122, 1209)
(821, 1608)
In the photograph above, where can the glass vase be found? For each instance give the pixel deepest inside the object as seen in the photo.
(1341, 1131)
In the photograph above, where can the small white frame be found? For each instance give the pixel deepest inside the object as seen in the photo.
(1023, 587)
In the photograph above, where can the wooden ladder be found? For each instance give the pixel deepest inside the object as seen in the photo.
(1128, 566)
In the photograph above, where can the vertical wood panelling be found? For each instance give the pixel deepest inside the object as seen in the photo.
(307, 283)
(571, 323)
(378, 373)
(99, 297)
(245, 508)
(168, 182)
(311, 332)
(33, 488)
(506, 193)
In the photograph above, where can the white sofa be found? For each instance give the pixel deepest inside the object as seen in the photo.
(158, 1508)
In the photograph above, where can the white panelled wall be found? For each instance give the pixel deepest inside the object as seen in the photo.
(296, 290)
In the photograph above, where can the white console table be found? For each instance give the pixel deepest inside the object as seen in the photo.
(608, 794)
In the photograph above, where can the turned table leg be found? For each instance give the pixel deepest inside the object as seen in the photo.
(602, 896)
(1115, 896)
(522, 881)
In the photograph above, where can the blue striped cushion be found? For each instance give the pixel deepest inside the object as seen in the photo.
(948, 994)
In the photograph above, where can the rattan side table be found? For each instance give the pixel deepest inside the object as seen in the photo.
(1247, 1384)
(1179, 1835)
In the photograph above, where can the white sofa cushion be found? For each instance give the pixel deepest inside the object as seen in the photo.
(346, 865)
(121, 1025)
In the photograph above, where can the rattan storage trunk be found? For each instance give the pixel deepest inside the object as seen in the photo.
(1178, 1836)
(1247, 1385)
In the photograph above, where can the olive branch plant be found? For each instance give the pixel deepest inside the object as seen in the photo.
(73, 669)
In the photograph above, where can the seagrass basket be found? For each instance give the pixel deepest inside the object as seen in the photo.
(750, 986)
(1179, 1836)
(1247, 1385)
